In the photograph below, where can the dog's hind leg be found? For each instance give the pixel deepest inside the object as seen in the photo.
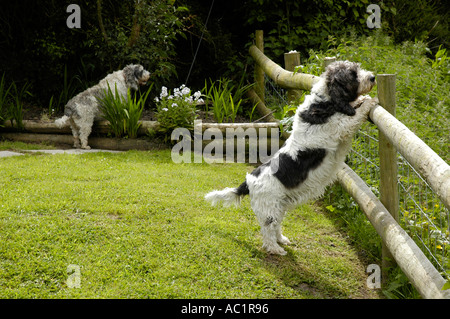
(76, 136)
(271, 233)
(85, 131)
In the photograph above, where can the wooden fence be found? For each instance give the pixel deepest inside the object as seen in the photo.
(394, 136)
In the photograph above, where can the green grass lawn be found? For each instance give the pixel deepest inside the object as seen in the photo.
(137, 226)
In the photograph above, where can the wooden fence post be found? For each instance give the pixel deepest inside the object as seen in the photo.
(259, 72)
(291, 60)
(388, 162)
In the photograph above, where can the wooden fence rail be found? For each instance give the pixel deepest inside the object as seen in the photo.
(421, 273)
(416, 266)
(283, 78)
(424, 160)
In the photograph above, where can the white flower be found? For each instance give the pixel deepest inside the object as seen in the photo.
(165, 109)
(170, 97)
(163, 92)
(177, 93)
(197, 95)
(174, 105)
(200, 101)
(185, 91)
(188, 99)
(156, 99)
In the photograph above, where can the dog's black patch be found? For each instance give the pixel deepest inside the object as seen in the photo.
(320, 112)
(269, 220)
(242, 189)
(138, 73)
(257, 171)
(291, 172)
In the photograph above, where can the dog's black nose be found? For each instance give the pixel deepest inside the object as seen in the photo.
(372, 79)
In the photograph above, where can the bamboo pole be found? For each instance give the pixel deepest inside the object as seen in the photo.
(291, 60)
(416, 266)
(261, 108)
(264, 110)
(259, 72)
(388, 162)
(281, 77)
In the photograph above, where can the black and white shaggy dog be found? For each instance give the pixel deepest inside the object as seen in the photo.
(81, 111)
(309, 160)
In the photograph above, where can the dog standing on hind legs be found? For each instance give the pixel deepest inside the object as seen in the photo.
(81, 111)
(321, 137)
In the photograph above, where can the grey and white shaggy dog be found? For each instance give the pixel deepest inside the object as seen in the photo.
(323, 128)
(81, 111)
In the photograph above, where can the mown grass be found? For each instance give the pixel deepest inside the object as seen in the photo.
(137, 226)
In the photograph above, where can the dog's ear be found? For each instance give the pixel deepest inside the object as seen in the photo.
(138, 70)
(130, 78)
(342, 82)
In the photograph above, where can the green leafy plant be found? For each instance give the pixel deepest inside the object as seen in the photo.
(177, 109)
(441, 59)
(15, 105)
(123, 113)
(286, 117)
(11, 102)
(225, 98)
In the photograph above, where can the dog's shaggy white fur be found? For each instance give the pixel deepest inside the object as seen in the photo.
(81, 111)
(309, 160)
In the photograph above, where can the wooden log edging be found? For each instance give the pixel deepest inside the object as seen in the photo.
(46, 132)
(101, 127)
(105, 143)
(422, 274)
(424, 160)
(283, 78)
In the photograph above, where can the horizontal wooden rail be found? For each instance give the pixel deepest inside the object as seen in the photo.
(283, 78)
(424, 160)
(422, 274)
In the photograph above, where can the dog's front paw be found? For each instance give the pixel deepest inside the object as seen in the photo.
(275, 249)
(359, 101)
(368, 104)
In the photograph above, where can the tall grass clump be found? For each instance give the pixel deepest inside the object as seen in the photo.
(225, 98)
(123, 113)
(11, 102)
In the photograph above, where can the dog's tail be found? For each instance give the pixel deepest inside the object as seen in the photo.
(228, 196)
(62, 122)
